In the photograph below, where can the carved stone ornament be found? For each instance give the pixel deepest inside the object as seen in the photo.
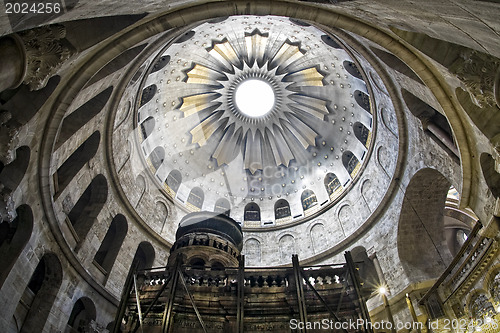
(46, 51)
(480, 74)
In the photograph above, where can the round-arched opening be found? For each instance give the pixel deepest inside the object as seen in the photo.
(254, 98)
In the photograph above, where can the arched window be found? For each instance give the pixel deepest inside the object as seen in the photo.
(362, 133)
(363, 100)
(351, 163)
(147, 127)
(157, 157)
(147, 94)
(40, 294)
(82, 314)
(13, 239)
(282, 209)
(217, 266)
(197, 263)
(332, 185)
(222, 206)
(160, 63)
(308, 199)
(144, 256)
(173, 181)
(68, 170)
(330, 42)
(252, 212)
(195, 198)
(480, 306)
(111, 244)
(83, 214)
(352, 69)
(78, 118)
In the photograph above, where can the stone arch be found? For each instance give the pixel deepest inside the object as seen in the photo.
(491, 176)
(346, 218)
(117, 63)
(140, 187)
(147, 127)
(253, 252)
(308, 199)
(161, 212)
(123, 115)
(81, 116)
(287, 247)
(383, 160)
(395, 63)
(144, 256)
(252, 212)
(367, 192)
(84, 213)
(41, 290)
(421, 239)
(318, 239)
(83, 313)
(282, 209)
(13, 238)
(157, 157)
(70, 168)
(196, 198)
(332, 185)
(389, 120)
(112, 243)
(222, 206)
(457, 225)
(367, 272)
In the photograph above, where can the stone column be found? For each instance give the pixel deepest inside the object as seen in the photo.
(12, 62)
(32, 57)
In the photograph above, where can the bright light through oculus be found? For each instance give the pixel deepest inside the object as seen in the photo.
(254, 97)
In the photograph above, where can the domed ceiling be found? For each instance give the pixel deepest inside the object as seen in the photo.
(267, 119)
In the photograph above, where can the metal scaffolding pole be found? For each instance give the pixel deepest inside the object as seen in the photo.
(125, 297)
(357, 289)
(241, 294)
(300, 291)
(167, 315)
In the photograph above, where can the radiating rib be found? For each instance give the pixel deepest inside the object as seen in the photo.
(256, 47)
(200, 74)
(228, 147)
(282, 153)
(306, 77)
(196, 103)
(302, 132)
(225, 55)
(253, 151)
(315, 106)
(286, 55)
(202, 132)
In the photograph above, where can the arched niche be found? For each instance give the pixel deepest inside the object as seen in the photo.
(81, 116)
(253, 254)
(40, 294)
(421, 226)
(308, 199)
(332, 185)
(196, 198)
(282, 210)
(362, 133)
(252, 212)
(147, 94)
(82, 314)
(287, 248)
(13, 238)
(147, 127)
(173, 181)
(70, 168)
(351, 163)
(222, 206)
(112, 243)
(84, 213)
(157, 157)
